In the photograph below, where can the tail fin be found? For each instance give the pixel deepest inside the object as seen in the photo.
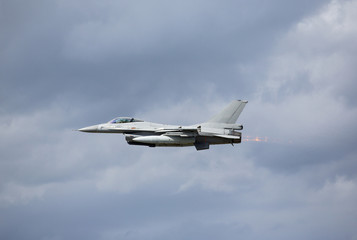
(231, 113)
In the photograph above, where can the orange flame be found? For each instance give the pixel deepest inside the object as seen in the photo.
(264, 139)
(255, 139)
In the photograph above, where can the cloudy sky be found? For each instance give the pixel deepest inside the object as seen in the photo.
(67, 64)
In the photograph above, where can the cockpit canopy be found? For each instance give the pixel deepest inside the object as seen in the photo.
(124, 120)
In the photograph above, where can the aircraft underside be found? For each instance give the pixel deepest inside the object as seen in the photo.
(200, 142)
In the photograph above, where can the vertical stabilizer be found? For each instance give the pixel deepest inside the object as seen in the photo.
(231, 113)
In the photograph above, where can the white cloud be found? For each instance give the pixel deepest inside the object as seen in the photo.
(317, 54)
(311, 80)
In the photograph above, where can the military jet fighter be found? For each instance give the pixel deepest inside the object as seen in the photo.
(220, 129)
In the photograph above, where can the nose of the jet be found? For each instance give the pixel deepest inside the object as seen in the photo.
(93, 128)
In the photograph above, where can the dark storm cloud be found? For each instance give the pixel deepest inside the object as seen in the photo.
(98, 49)
(69, 64)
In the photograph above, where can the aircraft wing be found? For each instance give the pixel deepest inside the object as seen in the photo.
(178, 129)
(179, 132)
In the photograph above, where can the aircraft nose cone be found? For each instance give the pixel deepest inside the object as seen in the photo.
(93, 128)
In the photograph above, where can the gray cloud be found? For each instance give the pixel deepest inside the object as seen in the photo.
(69, 64)
(97, 49)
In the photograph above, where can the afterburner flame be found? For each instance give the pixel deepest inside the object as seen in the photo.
(255, 139)
(265, 139)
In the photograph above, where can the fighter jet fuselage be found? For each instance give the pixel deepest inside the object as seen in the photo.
(221, 129)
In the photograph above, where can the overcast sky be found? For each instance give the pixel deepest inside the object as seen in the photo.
(69, 64)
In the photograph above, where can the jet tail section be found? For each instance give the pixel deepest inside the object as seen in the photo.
(230, 114)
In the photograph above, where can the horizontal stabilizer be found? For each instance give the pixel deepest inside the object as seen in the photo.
(228, 136)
